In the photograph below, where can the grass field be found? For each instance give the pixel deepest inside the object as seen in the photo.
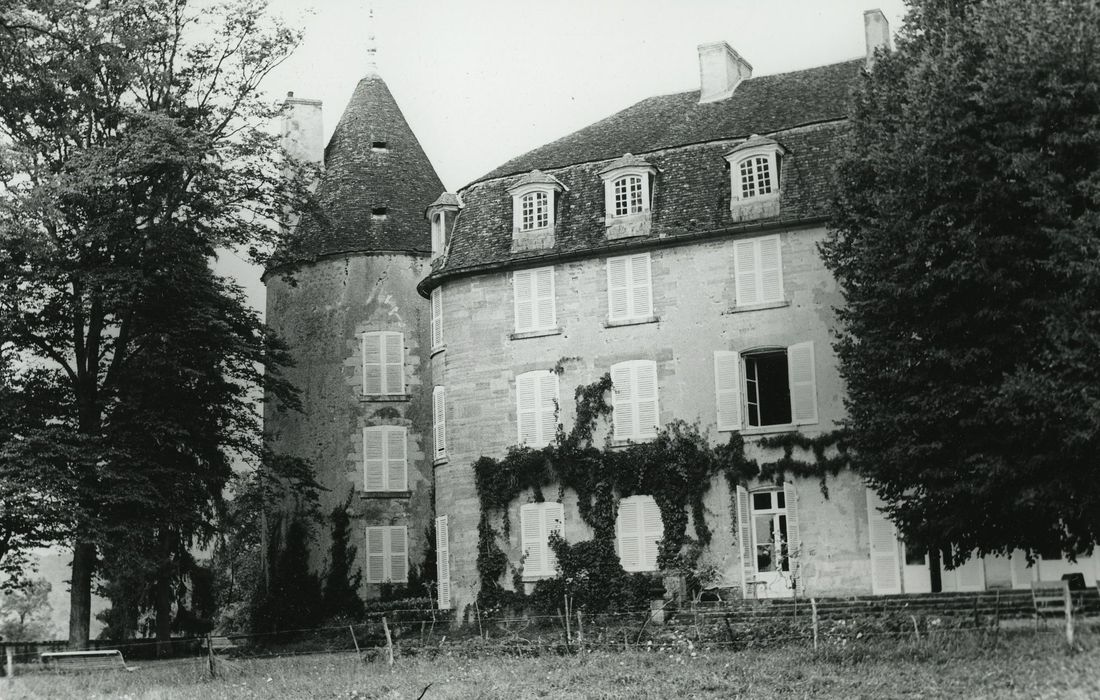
(1020, 665)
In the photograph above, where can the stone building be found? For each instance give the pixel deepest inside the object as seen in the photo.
(673, 246)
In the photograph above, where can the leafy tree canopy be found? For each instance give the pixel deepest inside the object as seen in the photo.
(966, 241)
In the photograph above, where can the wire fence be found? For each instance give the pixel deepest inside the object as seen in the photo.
(670, 627)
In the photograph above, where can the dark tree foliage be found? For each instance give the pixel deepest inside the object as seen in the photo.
(132, 147)
(293, 602)
(343, 578)
(966, 242)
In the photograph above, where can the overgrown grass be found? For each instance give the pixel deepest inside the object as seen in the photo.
(973, 665)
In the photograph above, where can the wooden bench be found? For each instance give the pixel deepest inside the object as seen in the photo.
(88, 660)
(219, 645)
(1049, 598)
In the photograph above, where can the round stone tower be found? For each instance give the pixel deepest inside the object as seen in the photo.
(359, 332)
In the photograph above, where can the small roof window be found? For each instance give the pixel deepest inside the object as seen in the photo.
(378, 213)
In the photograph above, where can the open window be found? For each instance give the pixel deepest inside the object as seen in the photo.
(768, 387)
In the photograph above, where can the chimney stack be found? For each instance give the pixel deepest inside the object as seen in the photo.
(721, 70)
(302, 132)
(877, 32)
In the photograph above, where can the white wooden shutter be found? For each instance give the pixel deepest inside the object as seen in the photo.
(548, 406)
(645, 372)
(794, 537)
(393, 350)
(1022, 572)
(530, 528)
(618, 293)
(397, 472)
(885, 560)
(627, 536)
(803, 383)
(398, 550)
(439, 414)
(443, 562)
(543, 288)
(746, 277)
(652, 531)
(623, 413)
(727, 389)
(376, 554)
(437, 317)
(527, 397)
(744, 541)
(372, 363)
(641, 288)
(771, 269)
(374, 460)
(524, 292)
(553, 520)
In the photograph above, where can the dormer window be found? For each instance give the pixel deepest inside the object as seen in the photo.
(441, 213)
(378, 146)
(438, 239)
(755, 178)
(378, 213)
(626, 184)
(533, 206)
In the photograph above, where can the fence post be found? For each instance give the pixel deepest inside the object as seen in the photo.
(358, 653)
(389, 641)
(1068, 599)
(210, 658)
(813, 611)
(9, 661)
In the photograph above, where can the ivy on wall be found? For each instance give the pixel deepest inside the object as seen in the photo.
(676, 469)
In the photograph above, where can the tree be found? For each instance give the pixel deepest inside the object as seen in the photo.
(965, 238)
(343, 578)
(25, 612)
(132, 148)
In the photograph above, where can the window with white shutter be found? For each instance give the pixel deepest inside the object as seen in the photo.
(443, 562)
(629, 288)
(885, 559)
(439, 415)
(437, 317)
(383, 363)
(780, 387)
(387, 554)
(758, 271)
(534, 299)
(638, 530)
(727, 389)
(385, 458)
(537, 522)
(635, 413)
(536, 407)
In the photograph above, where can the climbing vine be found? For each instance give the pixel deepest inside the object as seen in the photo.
(676, 469)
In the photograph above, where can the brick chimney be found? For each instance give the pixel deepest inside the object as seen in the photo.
(721, 70)
(877, 32)
(302, 134)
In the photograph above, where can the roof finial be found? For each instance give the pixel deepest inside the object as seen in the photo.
(372, 48)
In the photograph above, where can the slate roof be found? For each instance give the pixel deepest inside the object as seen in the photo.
(761, 105)
(358, 179)
(804, 112)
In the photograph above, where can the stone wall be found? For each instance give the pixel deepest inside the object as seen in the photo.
(322, 317)
(693, 292)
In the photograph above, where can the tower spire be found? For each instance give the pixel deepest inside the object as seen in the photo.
(372, 47)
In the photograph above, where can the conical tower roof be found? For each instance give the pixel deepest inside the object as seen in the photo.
(377, 181)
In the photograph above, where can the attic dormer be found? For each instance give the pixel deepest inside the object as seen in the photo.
(534, 203)
(442, 214)
(628, 196)
(756, 169)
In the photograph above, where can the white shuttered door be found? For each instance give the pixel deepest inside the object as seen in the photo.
(634, 399)
(727, 389)
(443, 562)
(885, 561)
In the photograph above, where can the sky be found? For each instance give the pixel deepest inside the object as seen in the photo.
(481, 81)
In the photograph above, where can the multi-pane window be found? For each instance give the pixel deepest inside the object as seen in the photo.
(638, 529)
(534, 299)
(756, 176)
(629, 288)
(537, 522)
(758, 271)
(634, 400)
(383, 363)
(628, 195)
(387, 554)
(534, 211)
(769, 529)
(765, 387)
(436, 300)
(385, 458)
(439, 416)
(536, 407)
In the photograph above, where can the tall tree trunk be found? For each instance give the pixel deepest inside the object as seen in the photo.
(164, 596)
(80, 594)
